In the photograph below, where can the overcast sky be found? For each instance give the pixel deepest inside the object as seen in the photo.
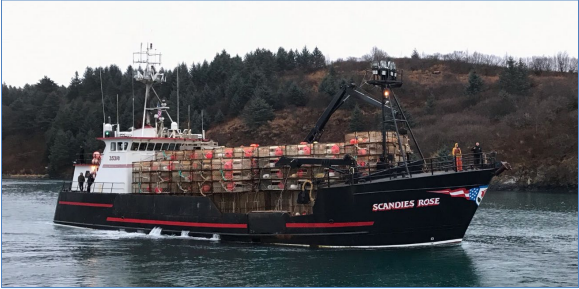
(58, 38)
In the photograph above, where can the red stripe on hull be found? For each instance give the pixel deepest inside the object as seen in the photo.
(177, 223)
(86, 204)
(328, 225)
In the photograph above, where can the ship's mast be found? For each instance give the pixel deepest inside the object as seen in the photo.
(150, 75)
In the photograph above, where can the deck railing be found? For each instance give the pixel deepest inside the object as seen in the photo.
(441, 164)
(96, 187)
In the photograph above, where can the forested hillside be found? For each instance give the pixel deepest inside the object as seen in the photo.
(524, 109)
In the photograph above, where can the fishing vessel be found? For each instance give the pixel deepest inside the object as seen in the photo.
(373, 190)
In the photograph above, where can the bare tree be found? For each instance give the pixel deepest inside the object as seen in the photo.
(573, 65)
(562, 61)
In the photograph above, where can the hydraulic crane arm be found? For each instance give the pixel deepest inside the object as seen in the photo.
(339, 99)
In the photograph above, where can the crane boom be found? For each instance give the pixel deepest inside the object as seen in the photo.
(339, 99)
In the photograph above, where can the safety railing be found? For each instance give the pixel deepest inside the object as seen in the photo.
(85, 158)
(96, 187)
(431, 166)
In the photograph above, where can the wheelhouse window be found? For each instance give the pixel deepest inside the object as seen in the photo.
(165, 147)
(143, 146)
(126, 146)
(150, 146)
(158, 146)
(120, 146)
(113, 147)
(135, 146)
(172, 146)
(177, 146)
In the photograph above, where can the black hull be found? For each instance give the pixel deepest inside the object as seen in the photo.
(376, 214)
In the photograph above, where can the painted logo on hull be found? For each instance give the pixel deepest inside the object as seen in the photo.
(405, 204)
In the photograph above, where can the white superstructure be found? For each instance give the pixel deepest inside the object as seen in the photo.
(113, 167)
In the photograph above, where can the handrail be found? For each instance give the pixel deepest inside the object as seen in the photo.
(96, 187)
(440, 164)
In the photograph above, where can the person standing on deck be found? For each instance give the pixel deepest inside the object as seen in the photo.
(81, 182)
(89, 182)
(477, 151)
(457, 154)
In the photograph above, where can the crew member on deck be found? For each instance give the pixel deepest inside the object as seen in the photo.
(477, 151)
(81, 182)
(89, 182)
(457, 154)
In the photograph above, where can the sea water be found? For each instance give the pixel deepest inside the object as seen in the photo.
(517, 239)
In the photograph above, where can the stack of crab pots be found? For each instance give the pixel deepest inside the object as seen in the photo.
(241, 179)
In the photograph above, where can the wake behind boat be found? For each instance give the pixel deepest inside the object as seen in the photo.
(372, 190)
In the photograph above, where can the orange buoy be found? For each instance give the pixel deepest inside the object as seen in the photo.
(335, 149)
(230, 186)
(228, 165)
(353, 141)
(280, 185)
(301, 173)
(279, 174)
(229, 153)
(248, 152)
(228, 175)
(209, 155)
(361, 163)
(278, 151)
(158, 190)
(206, 188)
(362, 152)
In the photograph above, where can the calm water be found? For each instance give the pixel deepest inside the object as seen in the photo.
(515, 239)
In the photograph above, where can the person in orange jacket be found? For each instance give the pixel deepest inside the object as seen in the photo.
(457, 154)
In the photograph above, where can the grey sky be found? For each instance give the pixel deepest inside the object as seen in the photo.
(58, 38)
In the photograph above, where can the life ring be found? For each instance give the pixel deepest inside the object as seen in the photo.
(311, 188)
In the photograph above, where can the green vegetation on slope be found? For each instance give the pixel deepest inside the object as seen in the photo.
(526, 110)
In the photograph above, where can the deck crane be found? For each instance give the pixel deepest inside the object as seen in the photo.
(339, 99)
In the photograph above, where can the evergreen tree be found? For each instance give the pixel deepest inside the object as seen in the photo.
(296, 95)
(219, 117)
(318, 59)
(257, 113)
(291, 60)
(514, 78)
(329, 84)
(48, 111)
(429, 104)
(281, 58)
(356, 120)
(475, 84)
(415, 54)
(304, 59)
(60, 153)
